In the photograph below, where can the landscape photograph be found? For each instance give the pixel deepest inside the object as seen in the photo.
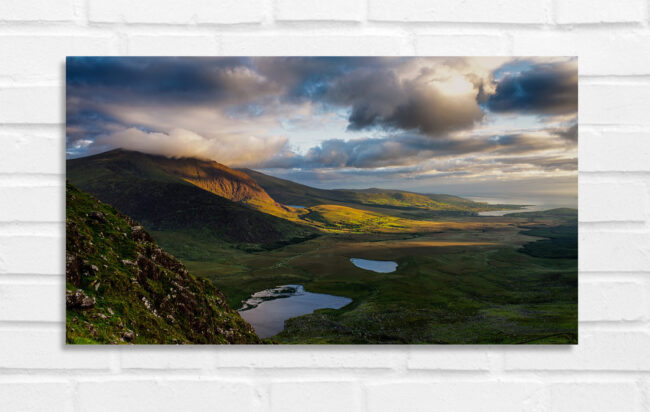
(321, 200)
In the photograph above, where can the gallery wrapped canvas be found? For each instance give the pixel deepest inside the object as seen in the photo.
(321, 200)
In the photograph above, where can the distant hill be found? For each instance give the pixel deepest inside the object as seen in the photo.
(193, 197)
(561, 212)
(291, 193)
(121, 287)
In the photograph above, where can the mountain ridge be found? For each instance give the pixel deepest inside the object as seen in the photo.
(289, 192)
(142, 186)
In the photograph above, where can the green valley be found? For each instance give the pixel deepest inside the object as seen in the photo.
(460, 277)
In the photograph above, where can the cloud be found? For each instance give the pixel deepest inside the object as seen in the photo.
(348, 120)
(426, 102)
(232, 150)
(546, 89)
(188, 79)
(570, 133)
(413, 149)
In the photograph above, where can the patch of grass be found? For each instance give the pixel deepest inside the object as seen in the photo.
(562, 242)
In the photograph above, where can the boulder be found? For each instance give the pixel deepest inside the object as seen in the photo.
(78, 299)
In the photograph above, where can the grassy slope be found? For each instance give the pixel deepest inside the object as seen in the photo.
(137, 185)
(343, 219)
(291, 193)
(137, 287)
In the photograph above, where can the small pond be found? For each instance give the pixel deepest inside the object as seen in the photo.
(267, 310)
(380, 266)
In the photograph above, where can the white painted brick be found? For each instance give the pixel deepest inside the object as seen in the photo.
(305, 357)
(612, 301)
(448, 358)
(152, 357)
(33, 104)
(174, 12)
(315, 396)
(596, 351)
(32, 254)
(165, 395)
(36, 10)
(612, 201)
(613, 251)
(594, 397)
(599, 11)
(606, 371)
(32, 302)
(626, 51)
(455, 396)
(182, 45)
(460, 45)
(340, 10)
(299, 45)
(32, 204)
(614, 150)
(471, 11)
(43, 57)
(32, 150)
(45, 349)
(612, 103)
(36, 396)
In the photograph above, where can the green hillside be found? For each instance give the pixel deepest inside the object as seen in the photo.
(121, 287)
(143, 187)
(291, 193)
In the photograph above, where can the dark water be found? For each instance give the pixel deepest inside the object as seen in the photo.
(297, 207)
(379, 266)
(267, 310)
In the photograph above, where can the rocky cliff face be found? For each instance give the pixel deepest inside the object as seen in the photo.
(121, 287)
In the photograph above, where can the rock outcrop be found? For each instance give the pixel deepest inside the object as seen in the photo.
(123, 288)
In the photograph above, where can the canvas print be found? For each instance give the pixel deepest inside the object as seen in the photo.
(321, 200)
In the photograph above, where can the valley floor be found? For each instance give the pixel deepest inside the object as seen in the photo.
(465, 283)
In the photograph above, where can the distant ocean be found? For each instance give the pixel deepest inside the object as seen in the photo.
(536, 203)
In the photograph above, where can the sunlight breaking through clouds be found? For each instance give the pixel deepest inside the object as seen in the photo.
(412, 123)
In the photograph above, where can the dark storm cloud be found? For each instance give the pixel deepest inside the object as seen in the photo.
(156, 80)
(95, 86)
(547, 89)
(379, 98)
(570, 133)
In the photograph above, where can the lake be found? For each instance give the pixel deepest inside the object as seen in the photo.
(380, 266)
(296, 206)
(267, 310)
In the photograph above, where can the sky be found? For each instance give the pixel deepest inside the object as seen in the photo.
(499, 127)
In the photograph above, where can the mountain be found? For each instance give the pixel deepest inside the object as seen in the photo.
(223, 181)
(195, 198)
(122, 287)
(291, 193)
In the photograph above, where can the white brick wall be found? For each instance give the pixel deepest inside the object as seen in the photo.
(608, 371)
